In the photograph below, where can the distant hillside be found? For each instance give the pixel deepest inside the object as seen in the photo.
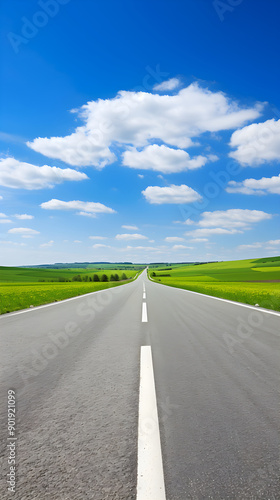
(83, 265)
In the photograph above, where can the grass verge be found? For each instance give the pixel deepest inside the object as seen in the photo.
(248, 281)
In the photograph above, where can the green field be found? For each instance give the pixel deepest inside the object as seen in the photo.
(21, 288)
(249, 281)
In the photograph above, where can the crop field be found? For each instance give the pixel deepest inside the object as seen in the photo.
(21, 288)
(248, 281)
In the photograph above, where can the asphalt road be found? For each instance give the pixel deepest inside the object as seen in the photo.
(75, 365)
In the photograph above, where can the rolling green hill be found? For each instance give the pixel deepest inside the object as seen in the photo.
(249, 281)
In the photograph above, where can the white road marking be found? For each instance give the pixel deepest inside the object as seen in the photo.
(144, 295)
(260, 309)
(150, 478)
(144, 288)
(144, 313)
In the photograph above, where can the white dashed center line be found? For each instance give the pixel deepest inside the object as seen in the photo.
(144, 313)
(150, 478)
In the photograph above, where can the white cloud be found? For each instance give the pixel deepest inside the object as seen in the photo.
(212, 157)
(130, 228)
(138, 118)
(13, 243)
(87, 214)
(82, 148)
(49, 244)
(199, 240)
(273, 242)
(189, 222)
(230, 221)
(1, 197)
(162, 159)
(179, 247)
(24, 216)
(265, 185)
(128, 237)
(87, 207)
(151, 249)
(251, 246)
(100, 245)
(77, 241)
(23, 231)
(173, 194)
(5, 221)
(141, 176)
(257, 143)
(200, 233)
(170, 84)
(20, 175)
(232, 218)
(98, 237)
(171, 239)
(3, 216)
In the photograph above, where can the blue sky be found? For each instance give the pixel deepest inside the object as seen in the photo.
(139, 131)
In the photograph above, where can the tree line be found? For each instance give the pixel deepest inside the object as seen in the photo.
(85, 277)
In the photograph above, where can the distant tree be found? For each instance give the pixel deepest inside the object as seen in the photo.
(90, 278)
(117, 278)
(124, 277)
(85, 277)
(112, 278)
(96, 277)
(104, 277)
(153, 274)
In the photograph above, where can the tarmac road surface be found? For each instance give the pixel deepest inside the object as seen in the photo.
(75, 370)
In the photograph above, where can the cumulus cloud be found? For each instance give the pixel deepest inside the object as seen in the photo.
(24, 216)
(230, 221)
(265, 185)
(187, 222)
(171, 239)
(210, 231)
(20, 175)
(250, 247)
(49, 244)
(267, 245)
(85, 207)
(5, 221)
(138, 118)
(100, 245)
(23, 231)
(232, 218)
(273, 242)
(199, 240)
(152, 249)
(128, 237)
(179, 247)
(162, 159)
(98, 237)
(130, 228)
(173, 194)
(171, 84)
(257, 143)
